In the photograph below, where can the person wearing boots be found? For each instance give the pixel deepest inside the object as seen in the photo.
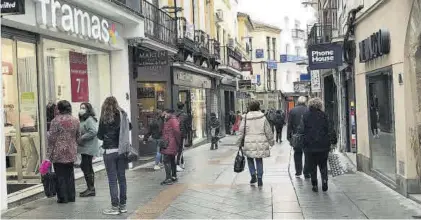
(171, 136)
(318, 137)
(88, 146)
(214, 128)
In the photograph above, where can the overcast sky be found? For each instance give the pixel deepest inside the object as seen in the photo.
(274, 11)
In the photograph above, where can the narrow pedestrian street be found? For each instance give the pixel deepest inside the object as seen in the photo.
(209, 189)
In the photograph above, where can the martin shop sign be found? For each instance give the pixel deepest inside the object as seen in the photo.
(153, 58)
(324, 56)
(12, 7)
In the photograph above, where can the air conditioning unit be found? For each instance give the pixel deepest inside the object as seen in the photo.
(219, 15)
(231, 43)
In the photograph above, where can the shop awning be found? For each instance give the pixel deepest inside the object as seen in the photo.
(229, 70)
(191, 67)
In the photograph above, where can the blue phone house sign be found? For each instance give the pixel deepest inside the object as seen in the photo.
(324, 56)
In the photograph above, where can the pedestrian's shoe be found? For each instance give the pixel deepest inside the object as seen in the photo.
(298, 175)
(156, 167)
(123, 208)
(324, 185)
(174, 179)
(307, 176)
(315, 189)
(167, 182)
(83, 192)
(89, 193)
(114, 210)
(259, 182)
(253, 179)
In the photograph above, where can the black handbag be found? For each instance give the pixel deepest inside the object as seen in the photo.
(240, 159)
(49, 181)
(162, 144)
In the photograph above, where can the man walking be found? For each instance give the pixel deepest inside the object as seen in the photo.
(184, 129)
(294, 121)
(279, 124)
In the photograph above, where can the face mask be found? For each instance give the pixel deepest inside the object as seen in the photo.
(82, 112)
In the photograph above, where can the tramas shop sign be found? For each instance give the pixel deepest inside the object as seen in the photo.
(66, 18)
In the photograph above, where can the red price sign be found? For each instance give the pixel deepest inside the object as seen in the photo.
(79, 77)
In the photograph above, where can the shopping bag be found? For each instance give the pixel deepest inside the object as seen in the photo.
(240, 161)
(45, 167)
(336, 168)
(49, 181)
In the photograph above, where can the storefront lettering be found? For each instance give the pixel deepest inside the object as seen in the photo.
(54, 14)
(374, 46)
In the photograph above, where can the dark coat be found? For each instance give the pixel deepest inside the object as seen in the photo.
(294, 120)
(183, 119)
(279, 120)
(171, 133)
(155, 129)
(109, 133)
(316, 131)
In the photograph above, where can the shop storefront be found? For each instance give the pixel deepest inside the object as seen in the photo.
(70, 60)
(229, 102)
(387, 95)
(195, 91)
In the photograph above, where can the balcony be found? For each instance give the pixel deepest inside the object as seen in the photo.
(203, 42)
(245, 51)
(319, 34)
(185, 38)
(298, 34)
(230, 61)
(215, 51)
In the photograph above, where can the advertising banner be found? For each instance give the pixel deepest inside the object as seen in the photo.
(315, 81)
(324, 56)
(79, 77)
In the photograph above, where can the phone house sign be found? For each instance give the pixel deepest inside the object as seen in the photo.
(324, 56)
(64, 17)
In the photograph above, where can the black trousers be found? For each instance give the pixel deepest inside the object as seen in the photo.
(318, 159)
(278, 134)
(87, 169)
(214, 143)
(66, 190)
(170, 166)
(298, 160)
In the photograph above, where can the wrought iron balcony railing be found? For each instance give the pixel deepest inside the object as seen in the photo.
(230, 57)
(159, 25)
(320, 33)
(298, 34)
(203, 41)
(215, 49)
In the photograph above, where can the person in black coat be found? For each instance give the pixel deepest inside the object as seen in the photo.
(279, 124)
(294, 120)
(317, 138)
(214, 125)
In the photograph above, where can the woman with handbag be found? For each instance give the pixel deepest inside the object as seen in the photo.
(256, 138)
(61, 150)
(317, 139)
(171, 141)
(88, 146)
(155, 131)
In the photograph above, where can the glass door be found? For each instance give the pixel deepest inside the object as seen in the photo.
(20, 100)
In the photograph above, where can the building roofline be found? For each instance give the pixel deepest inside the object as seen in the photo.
(241, 14)
(261, 25)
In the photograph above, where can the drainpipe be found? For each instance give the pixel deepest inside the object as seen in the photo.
(3, 182)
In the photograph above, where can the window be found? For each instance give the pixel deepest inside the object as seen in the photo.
(297, 50)
(268, 46)
(274, 48)
(274, 78)
(218, 34)
(287, 49)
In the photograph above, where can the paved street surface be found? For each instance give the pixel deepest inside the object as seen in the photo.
(209, 188)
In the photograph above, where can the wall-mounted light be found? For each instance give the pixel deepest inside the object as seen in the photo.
(400, 78)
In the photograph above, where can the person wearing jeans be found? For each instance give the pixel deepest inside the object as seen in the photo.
(155, 131)
(258, 137)
(113, 130)
(172, 137)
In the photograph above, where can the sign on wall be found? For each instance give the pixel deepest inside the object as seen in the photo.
(324, 56)
(12, 7)
(79, 77)
(377, 45)
(153, 58)
(315, 81)
(247, 66)
(259, 53)
(272, 65)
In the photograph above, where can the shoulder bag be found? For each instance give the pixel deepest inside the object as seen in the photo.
(240, 159)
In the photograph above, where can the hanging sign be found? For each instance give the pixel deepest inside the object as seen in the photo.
(272, 65)
(79, 77)
(12, 7)
(315, 81)
(324, 56)
(246, 66)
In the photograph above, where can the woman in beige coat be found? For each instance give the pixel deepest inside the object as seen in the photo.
(258, 139)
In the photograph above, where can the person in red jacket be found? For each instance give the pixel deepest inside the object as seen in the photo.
(171, 136)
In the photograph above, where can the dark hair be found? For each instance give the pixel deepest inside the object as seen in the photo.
(89, 112)
(254, 105)
(180, 105)
(278, 111)
(64, 107)
(51, 111)
(109, 109)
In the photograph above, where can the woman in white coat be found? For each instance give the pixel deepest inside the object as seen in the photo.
(258, 139)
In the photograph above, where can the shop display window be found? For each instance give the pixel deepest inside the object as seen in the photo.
(195, 106)
(76, 74)
(21, 113)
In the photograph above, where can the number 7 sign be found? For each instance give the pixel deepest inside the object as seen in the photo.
(79, 77)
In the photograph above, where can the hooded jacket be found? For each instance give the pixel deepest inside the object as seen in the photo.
(171, 133)
(258, 136)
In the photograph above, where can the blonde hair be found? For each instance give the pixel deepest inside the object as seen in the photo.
(315, 103)
(109, 109)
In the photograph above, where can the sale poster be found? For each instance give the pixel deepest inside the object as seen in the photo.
(79, 76)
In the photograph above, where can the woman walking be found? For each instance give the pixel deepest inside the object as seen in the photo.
(214, 128)
(258, 138)
(155, 131)
(317, 140)
(113, 130)
(237, 122)
(88, 146)
(61, 150)
(171, 136)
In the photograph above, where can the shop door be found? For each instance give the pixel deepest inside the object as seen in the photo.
(184, 96)
(21, 112)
